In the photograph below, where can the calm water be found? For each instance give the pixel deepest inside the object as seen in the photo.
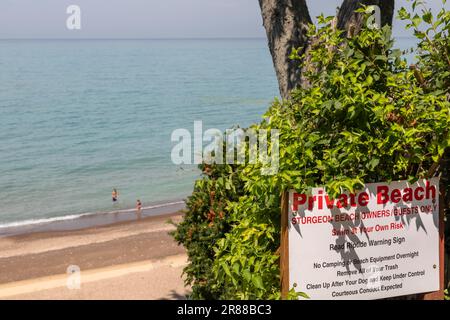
(78, 118)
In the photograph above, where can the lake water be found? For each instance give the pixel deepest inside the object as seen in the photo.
(78, 118)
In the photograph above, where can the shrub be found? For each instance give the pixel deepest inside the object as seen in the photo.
(205, 222)
(364, 117)
(433, 71)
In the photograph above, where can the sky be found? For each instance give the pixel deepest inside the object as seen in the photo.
(149, 18)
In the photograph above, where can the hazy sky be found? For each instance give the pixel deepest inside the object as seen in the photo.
(146, 18)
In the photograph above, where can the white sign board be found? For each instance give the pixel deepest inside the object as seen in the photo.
(382, 241)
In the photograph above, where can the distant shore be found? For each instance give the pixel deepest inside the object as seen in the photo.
(126, 254)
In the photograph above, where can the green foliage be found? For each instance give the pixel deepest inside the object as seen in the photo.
(364, 117)
(205, 222)
(434, 45)
(433, 68)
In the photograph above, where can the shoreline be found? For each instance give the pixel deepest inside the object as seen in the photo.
(135, 249)
(89, 220)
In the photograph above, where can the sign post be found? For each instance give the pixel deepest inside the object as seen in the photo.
(284, 246)
(384, 241)
(439, 295)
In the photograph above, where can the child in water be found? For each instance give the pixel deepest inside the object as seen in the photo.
(115, 195)
(139, 209)
(138, 205)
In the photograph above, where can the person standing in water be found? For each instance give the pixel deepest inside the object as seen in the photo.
(139, 209)
(115, 195)
(138, 205)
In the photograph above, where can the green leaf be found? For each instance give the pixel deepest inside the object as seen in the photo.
(373, 163)
(226, 269)
(428, 17)
(257, 282)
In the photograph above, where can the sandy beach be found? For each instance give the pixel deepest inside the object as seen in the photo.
(128, 260)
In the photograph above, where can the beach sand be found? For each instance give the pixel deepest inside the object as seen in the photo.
(129, 260)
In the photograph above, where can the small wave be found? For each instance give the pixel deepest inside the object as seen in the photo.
(31, 222)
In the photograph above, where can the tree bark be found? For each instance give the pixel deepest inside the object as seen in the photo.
(286, 23)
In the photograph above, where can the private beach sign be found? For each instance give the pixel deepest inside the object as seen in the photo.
(382, 241)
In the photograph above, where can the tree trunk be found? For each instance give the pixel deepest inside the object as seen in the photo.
(286, 23)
